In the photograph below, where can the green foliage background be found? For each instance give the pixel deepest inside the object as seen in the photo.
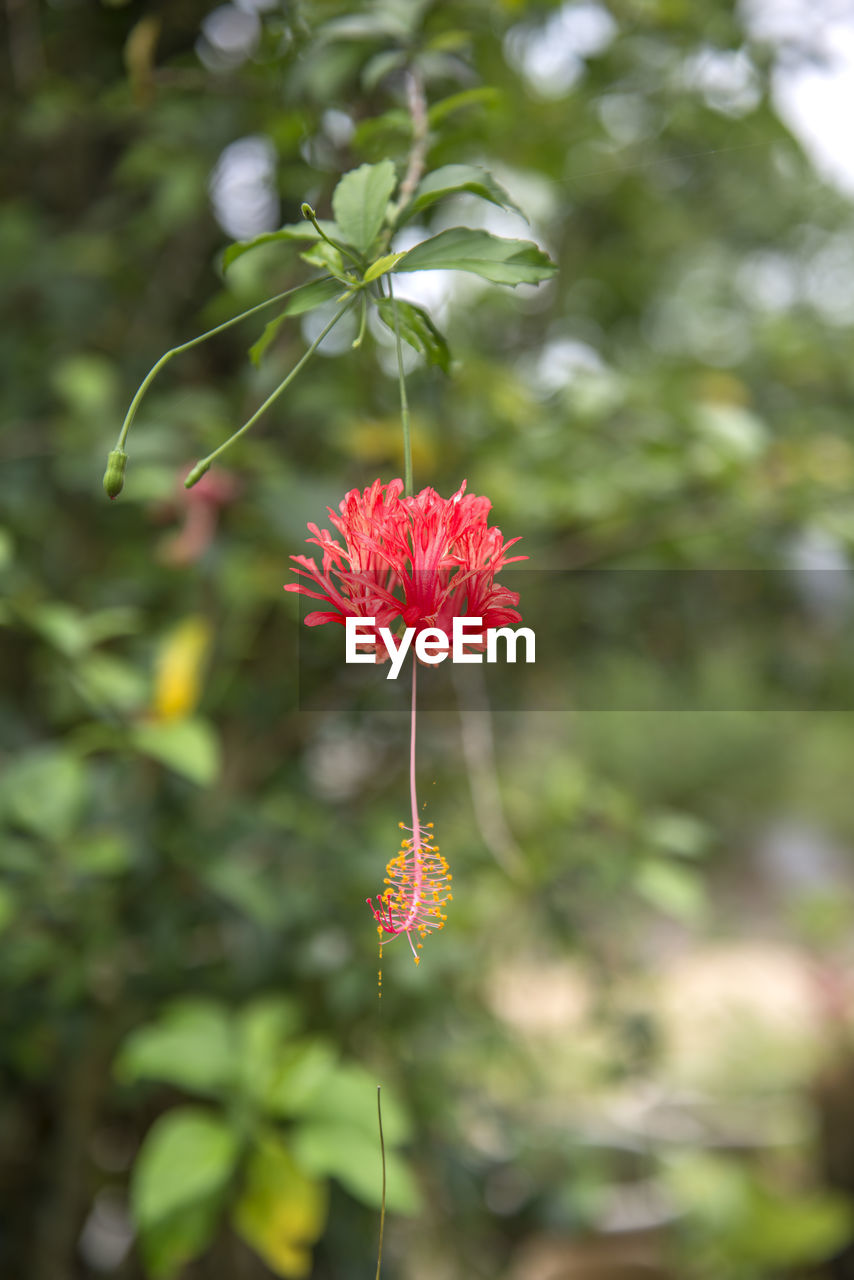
(629, 1053)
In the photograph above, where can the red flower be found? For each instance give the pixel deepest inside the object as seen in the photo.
(421, 560)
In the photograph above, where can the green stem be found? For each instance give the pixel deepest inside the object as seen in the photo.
(204, 463)
(308, 213)
(185, 346)
(382, 1209)
(404, 403)
(357, 341)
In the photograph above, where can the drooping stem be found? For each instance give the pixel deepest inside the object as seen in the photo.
(309, 214)
(404, 403)
(382, 1204)
(204, 463)
(417, 852)
(416, 830)
(186, 346)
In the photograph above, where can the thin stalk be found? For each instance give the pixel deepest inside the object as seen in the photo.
(204, 463)
(413, 798)
(357, 341)
(404, 403)
(185, 346)
(382, 1208)
(417, 852)
(309, 214)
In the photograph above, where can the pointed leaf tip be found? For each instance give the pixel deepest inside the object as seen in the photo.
(360, 201)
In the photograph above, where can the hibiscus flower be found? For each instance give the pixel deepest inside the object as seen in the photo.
(420, 560)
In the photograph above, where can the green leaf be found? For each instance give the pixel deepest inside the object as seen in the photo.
(672, 887)
(382, 265)
(326, 258)
(178, 1186)
(292, 231)
(481, 96)
(352, 1156)
(380, 65)
(417, 328)
(100, 853)
(366, 26)
(263, 1029)
(62, 626)
(192, 1046)
(189, 747)
(463, 249)
(246, 888)
(45, 791)
(452, 179)
(107, 681)
(360, 200)
(304, 1070)
(282, 1211)
(348, 1097)
(306, 298)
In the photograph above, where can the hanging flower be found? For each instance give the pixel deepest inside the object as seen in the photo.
(420, 560)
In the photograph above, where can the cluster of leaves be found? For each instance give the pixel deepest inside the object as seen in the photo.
(366, 219)
(259, 1073)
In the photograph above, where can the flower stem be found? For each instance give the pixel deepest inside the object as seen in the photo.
(310, 216)
(357, 341)
(382, 1208)
(185, 346)
(204, 463)
(416, 829)
(404, 403)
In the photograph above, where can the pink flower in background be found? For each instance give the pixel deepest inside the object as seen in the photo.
(200, 508)
(420, 560)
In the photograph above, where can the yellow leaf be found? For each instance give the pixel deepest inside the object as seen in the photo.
(281, 1212)
(177, 684)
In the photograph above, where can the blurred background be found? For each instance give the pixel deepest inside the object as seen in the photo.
(629, 1054)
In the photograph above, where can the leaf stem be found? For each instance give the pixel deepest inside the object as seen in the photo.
(382, 1208)
(309, 214)
(357, 341)
(404, 403)
(204, 463)
(185, 346)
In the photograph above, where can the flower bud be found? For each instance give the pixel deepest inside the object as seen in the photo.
(194, 476)
(114, 476)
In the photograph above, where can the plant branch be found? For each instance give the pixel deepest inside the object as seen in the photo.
(417, 103)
